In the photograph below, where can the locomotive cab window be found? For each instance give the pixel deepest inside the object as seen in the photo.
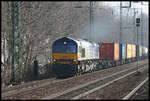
(64, 46)
(83, 52)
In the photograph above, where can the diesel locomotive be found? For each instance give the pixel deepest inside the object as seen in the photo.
(72, 56)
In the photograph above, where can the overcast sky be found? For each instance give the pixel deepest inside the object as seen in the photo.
(133, 5)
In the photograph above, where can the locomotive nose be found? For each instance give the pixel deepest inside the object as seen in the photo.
(62, 58)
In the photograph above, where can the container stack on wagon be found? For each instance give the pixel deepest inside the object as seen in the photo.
(109, 51)
(133, 51)
(122, 53)
(140, 51)
(109, 54)
(129, 46)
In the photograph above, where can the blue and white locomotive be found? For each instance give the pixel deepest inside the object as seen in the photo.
(73, 56)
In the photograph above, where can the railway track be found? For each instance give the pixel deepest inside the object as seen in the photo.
(133, 92)
(109, 84)
(29, 87)
(83, 90)
(119, 89)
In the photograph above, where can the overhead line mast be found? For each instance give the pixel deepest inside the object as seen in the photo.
(120, 22)
(12, 79)
(19, 42)
(15, 17)
(91, 19)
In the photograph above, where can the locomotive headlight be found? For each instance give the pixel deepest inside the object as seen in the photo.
(65, 42)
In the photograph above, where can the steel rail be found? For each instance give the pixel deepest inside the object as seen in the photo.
(135, 90)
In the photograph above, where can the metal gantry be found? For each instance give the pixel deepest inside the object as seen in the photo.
(134, 24)
(121, 18)
(91, 17)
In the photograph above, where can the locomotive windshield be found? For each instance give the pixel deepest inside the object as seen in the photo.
(64, 46)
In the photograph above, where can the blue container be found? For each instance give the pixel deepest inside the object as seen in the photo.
(124, 51)
(137, 50)
(120, 51)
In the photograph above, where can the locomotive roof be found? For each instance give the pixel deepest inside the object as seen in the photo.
(83, 40)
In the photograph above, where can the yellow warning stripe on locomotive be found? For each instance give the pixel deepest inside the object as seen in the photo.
(64, 58)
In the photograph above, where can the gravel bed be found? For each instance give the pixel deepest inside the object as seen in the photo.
(26, 85)
(67, 84)
(119, 89)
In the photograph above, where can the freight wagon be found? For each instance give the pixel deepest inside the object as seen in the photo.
(109, 54)
(131, 52)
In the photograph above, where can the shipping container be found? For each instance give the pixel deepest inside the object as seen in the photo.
(133, 50)
(129, 46)
(140, 50)
(124, 51)
(137, 50)
(120, 51)
(109, 51)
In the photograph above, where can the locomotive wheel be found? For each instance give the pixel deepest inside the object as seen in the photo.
(83, 67)
(78, 74)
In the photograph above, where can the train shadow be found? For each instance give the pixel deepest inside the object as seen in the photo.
(63, 77)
